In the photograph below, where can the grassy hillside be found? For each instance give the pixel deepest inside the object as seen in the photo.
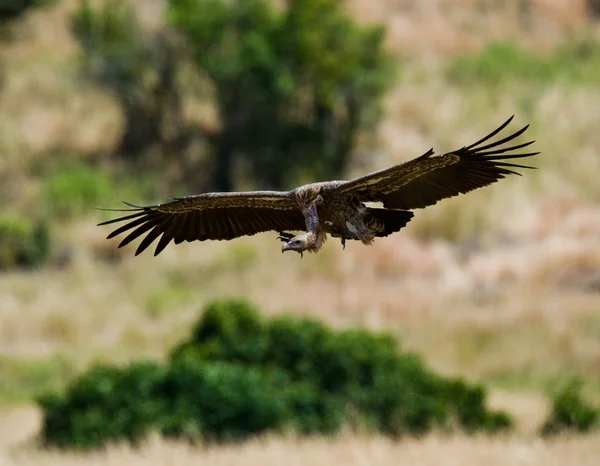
(501, 286)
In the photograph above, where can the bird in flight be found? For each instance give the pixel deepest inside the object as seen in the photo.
(336, 208)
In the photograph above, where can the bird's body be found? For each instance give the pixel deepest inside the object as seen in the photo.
(336, 208)
(327, 210)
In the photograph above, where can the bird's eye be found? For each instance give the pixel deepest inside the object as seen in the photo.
(297, 242)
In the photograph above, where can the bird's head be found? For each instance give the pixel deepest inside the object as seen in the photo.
(297, 243)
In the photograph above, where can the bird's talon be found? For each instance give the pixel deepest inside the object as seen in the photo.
(285, 237)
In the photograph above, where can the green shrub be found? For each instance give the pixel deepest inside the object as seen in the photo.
(23, 243)
(239, 375)
(295, 345)
(570, 412)
(312, 411)
(576, 61)
(221, 401)
(105, 404)
(232, 331)
(467, 408)
(75, 190)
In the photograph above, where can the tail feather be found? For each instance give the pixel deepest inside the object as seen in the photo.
(392, 220)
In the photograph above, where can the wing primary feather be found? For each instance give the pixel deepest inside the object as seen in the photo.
(136, 233)
(151, 237)
(133, 206)
(503, 140)
(117, 210)
(122, 219)
(514, 165)
(491, 135)
(502, 150)
(167, 236)
(496, 154)
(129, 226)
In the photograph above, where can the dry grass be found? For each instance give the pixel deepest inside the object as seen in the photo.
(17, 424)
(348, 450)
(531, 291)
(531, 283)
(515, 307)
(441, 27)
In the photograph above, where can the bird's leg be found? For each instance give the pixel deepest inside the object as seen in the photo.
(285, 236)
(330, 225)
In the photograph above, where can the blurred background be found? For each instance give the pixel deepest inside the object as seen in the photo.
(110, 100)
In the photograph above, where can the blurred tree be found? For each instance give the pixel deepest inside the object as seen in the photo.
(593, 7)
(140, 69)
(293, 87)
(525, 14)
(12, 9)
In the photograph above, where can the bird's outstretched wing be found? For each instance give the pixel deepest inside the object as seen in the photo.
(428, 179)
(217, 216)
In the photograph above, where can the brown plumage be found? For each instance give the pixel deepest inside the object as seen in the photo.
(332, 207)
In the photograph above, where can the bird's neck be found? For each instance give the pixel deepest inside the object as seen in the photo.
(314, 241)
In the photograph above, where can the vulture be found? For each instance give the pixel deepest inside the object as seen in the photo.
(337, 208)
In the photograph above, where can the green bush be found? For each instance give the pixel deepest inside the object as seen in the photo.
(106, 403)
(295, 345)
(232, 331)
(313, 411)
(220, 401)
(23, 243)
(576, 61)
(75, 190)
(570, 412)
(240, 375)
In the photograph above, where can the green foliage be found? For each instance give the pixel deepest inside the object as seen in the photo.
(113, 40)
(232, 331)
(570, 412)
(468, 408)
(293, 86)
(220, 401)
(138, 67)
(577, 62)
(22, 379)
(75, 190)
(23, 242)
(239, 375)
(295, 345)
(106, 403)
